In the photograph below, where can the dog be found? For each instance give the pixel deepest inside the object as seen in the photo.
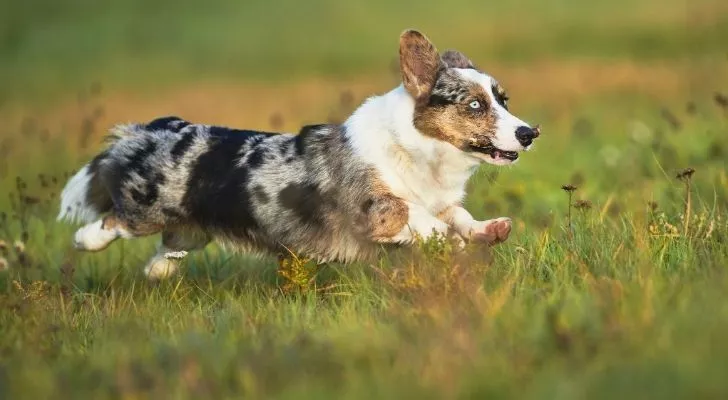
(393, 172)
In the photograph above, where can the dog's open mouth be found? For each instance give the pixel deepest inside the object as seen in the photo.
(495, 153)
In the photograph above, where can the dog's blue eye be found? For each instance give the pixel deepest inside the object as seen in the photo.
(475, 104)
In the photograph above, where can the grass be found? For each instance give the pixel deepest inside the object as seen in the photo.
(613, 289)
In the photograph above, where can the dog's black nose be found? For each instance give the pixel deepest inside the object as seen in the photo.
(525, 135)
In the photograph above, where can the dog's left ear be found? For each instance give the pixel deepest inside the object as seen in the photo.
(419, 62)
(456, 59)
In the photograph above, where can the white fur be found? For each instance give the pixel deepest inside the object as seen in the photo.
(94, 237)
(74, 207)
(421, 224)
(507, 123)
(429, 174)
(421, 170)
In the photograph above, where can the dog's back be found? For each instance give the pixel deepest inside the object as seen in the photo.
(249, 189)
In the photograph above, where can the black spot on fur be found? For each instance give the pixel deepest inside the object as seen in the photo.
(180, 148)
(299, 144)
(260, 194)
(216, 194)
(171, 123)
(256, 157)
(151, 191)
(306, 201)
(96, 194)
(229, 132)
(342, 134)
(301, 140)
(437, 100)
(137, 163)
(367, 205)
(172, 213)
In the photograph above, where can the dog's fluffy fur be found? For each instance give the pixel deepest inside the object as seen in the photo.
(395, 170)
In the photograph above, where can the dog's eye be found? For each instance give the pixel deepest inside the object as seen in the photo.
(475, 105)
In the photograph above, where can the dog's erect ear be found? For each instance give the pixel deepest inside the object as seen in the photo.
(419, 63)
(456, 59)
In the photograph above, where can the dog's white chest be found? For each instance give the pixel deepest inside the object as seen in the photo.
(433, 182)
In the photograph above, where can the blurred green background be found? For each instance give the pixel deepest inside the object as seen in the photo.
(48, 47)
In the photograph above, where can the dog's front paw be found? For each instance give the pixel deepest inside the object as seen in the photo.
(492, 231)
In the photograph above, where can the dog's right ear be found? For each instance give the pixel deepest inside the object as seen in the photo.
(419, 62)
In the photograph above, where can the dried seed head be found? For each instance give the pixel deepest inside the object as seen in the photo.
(686, 173)
(569, 188)
(671, 119)
(4, 265)
(19, 246)
(346, 98)
(276, 121)
(583, 205)
(691, 108)
(721, 100)
(652, 205)
(30, 200)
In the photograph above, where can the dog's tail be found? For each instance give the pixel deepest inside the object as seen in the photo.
(85, 198)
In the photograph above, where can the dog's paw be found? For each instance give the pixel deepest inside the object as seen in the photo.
(492, 231)
(93, 237)
(160, 267)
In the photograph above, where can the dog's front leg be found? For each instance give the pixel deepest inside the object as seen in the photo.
(490, 231)
(393, 220)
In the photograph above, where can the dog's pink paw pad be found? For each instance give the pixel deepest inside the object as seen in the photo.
(495, 231)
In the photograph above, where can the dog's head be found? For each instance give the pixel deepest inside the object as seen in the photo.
(459, 104)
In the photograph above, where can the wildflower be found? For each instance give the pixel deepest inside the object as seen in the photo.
(569, 188)
(691, 108)
(611, 155)
(19, 246)
(721, 100)
(640, 132)
(671, 119)
(686, 173)
(652, 205)
(276, 121)
(3, 247)
(4, 265)
(346, 98)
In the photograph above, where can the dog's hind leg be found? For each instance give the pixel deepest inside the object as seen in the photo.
(174, 247)
(98, 235)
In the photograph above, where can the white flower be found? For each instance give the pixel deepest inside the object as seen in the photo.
(611, 155)
(640, 132)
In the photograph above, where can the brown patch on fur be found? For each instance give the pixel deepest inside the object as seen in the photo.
(456, 59)
(419, 63)
(112, 222)
(457, 123)
(446, 214)
(385, 215)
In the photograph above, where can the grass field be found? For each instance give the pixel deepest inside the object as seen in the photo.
(616, 289)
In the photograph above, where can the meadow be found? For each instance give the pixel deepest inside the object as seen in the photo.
(612, 285)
